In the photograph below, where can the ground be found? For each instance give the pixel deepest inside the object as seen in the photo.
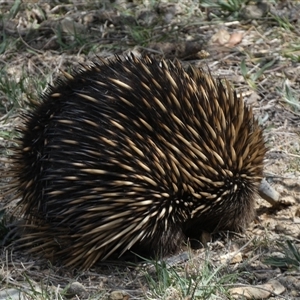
(256, 46)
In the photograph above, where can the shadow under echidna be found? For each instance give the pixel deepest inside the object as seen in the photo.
(135, 154)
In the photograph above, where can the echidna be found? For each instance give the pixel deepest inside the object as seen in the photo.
(135, 154)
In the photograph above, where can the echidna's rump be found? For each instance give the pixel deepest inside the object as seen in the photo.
(135, 153)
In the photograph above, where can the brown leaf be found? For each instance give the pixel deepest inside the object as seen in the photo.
(262, 291)
(235, 39)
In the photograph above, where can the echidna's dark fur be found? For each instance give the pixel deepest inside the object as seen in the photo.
(135, 153)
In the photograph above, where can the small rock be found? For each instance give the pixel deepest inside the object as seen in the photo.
(76, 288)
(172, 294)
(255, 11)
(232, 258)
(118, 295)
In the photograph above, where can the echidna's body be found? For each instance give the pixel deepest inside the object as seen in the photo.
(136, 153)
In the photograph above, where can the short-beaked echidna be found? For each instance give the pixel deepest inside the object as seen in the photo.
(135, 154)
